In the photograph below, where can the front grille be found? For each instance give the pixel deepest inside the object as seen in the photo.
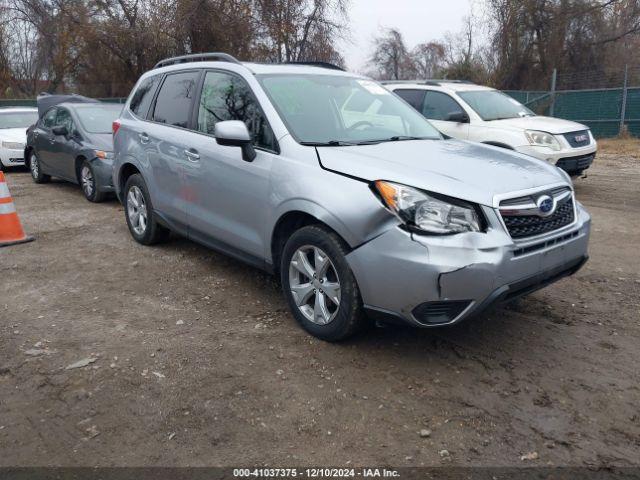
(438, 313)
(546, 244)
(520, 226)
(578, 139)
(531, 198)
(576, 164)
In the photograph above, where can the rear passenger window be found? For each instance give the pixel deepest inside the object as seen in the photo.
(412, 97)
(438, 106)
(173, 105)
(143, 96)
(228, 97)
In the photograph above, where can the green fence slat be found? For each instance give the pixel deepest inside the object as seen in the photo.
(598, 109)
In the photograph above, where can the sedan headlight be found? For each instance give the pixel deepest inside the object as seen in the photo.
(542, 139)
(13, 145)
(426, 213)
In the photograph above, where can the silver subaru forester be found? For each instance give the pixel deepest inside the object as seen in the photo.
(359, 205)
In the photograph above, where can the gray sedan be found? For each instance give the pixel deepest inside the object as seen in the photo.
(73, 141)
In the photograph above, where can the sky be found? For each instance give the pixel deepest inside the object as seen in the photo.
(418, 20)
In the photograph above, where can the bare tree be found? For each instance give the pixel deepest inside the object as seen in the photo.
(390, 58)
(428, 59)
(299, 30)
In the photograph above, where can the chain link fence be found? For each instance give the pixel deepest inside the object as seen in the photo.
(608, 102)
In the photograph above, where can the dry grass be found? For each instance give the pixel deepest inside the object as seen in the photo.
(616, 146)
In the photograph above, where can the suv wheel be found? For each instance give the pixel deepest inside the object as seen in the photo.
(89, 184)
(319, 285)
(36, 171)
(138, 211)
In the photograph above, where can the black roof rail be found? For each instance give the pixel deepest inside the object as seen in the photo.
(328, 65)
(197, 57)
(433, 82)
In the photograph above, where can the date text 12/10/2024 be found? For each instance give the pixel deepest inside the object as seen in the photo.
(314, 472)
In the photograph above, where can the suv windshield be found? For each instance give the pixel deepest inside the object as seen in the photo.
(341, 110)
(18, 119)
(494, 105)
(99, 118)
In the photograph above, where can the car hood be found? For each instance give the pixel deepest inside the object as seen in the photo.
(100, 141)
(13, 135)
(544, 124)
(464, 170)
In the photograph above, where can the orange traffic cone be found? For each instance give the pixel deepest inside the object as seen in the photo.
(11, 231)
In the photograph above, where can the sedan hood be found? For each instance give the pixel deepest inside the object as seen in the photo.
(544, 124)
(101, 141)
(13, 135)
(455, 168)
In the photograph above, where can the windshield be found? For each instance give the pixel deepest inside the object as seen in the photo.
(494, 105)
(18, 119)
(337, 110)
(99, 118)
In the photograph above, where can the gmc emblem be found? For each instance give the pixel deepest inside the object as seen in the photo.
(581, 138)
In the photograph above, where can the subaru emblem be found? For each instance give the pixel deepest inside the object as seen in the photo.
(546, 205)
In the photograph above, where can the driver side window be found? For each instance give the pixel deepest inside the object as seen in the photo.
(438, 106)
(63, 119)
(49, 118)
(227, 97)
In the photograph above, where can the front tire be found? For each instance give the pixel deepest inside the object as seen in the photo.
(319, 286)
(89, 184)
(138, 211)
(36, 169)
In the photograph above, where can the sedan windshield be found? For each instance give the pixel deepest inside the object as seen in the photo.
(340, 110)
(494, 105)
(98, 118)
(18, 119)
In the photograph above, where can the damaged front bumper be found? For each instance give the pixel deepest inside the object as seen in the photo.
(441, 280)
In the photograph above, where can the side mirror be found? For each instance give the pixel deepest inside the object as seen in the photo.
(60, 131)
(458, 117)
(234, 133)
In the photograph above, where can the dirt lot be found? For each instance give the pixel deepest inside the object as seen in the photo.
(198, 362)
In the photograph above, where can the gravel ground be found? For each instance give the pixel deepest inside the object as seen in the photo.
(196, 360)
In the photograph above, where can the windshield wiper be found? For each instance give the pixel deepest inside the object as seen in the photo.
(501, 118)
(330, 143)
(395, 138)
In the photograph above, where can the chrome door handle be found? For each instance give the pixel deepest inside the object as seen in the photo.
(192, 156)
(144, 138)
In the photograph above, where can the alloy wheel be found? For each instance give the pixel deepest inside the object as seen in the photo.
(314, 284)
(87, 181)
(33, 165)
(137, 210)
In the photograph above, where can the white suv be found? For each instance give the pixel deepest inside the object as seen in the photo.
(14, 122)
(481, 114)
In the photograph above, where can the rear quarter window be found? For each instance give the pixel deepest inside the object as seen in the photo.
(141, 100)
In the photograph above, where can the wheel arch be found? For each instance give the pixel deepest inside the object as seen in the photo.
(124, 172)
(293, 220)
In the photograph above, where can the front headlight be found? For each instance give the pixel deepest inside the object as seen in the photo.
(13, 145)
(424, 212)
(542, 139)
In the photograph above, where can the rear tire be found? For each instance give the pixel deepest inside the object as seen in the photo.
(36, 169)
(88, 183)
(325, 300)
(138, 211)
